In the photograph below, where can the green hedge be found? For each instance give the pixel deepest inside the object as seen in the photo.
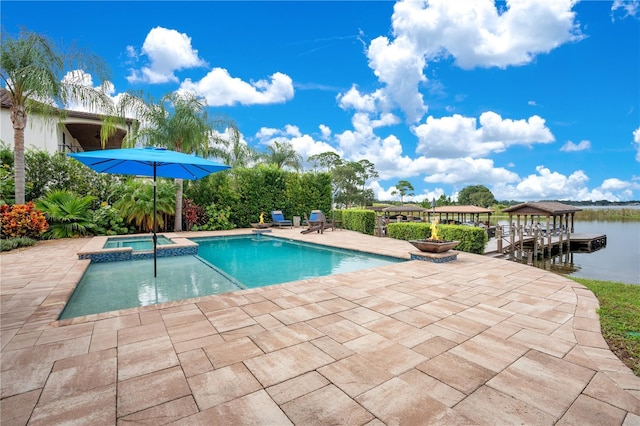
(249, 192)
(363, 221)
(409, 231)
(472, 239)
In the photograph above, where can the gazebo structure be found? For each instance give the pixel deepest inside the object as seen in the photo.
(409, 210)
(461, 214)
(386, 214)
(558, 221)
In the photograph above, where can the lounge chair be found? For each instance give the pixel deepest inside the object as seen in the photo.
(277, 219)
(315, 222)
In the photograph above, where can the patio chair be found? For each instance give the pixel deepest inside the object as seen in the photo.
(277, 219)
(315, 222)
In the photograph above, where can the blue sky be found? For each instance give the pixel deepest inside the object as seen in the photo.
(533, 99)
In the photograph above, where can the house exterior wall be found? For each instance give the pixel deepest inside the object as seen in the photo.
(48, 135)
(40, 134)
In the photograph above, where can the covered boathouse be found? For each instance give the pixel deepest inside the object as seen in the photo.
(545, 226)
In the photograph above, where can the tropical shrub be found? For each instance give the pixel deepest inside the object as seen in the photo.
(107, 220)
(7, 185)
(14, 243)
(217, 219)
(193, 214)
(22, 220)
(136, 204)
(69, 215)
(49, 172)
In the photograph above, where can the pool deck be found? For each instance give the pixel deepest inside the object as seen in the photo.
(473, 341)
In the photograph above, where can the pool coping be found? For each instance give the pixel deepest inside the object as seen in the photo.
(95, 251)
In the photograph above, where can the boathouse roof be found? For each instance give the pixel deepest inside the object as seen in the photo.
(463, 209)
(407, 208)
(543, 208)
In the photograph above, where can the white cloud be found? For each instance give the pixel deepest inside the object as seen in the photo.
(131, 53)
(303, 144)
(400, 68)
(292, 130)
(457, 171)
(636, 140)
(474, 32)
(547, 184)
(353, 99)
(628, 7)
(385, 153)
(82, 78)
(458, 136)
(219, 89)
(391, 163)
(614, 184)
(168, 51)
(325, 130)
(573, 147)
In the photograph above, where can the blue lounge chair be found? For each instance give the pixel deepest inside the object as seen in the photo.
(277, 218)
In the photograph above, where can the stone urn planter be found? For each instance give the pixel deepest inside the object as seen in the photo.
(434, 246)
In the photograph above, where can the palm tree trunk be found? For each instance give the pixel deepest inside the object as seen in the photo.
(177, 227)
(19, 120)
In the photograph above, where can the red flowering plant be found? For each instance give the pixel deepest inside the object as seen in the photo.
(22, 220)
(193, 214)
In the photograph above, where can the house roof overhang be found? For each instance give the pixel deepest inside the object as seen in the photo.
(83, 126)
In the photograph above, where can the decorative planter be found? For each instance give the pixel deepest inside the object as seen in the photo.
(434, 246)
(261, 225)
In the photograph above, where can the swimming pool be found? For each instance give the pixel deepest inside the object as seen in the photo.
(261, 260)
(223, 264)
(136, 243)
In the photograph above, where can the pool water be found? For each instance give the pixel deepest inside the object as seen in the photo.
(223, 264)
(120, 285)
(260, 260)
(136, 243)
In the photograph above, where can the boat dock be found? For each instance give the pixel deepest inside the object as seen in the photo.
(541, 229)
(575, 242)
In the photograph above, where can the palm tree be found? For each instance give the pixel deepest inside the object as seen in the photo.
(179, 122)
(32, 71)
(282, 154)
(238, 153)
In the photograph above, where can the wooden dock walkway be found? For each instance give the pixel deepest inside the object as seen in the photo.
(578, 243)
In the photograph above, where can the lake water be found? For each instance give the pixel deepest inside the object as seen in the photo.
(618, 261)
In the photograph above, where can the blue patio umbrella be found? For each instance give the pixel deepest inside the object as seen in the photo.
(156, 162)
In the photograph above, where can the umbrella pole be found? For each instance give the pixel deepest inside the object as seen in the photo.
(155, 226)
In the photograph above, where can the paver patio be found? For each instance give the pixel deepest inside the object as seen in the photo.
(474, 341)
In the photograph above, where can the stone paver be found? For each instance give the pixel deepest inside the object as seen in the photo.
(475, 341)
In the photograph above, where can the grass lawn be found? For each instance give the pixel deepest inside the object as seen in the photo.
(619, 318)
